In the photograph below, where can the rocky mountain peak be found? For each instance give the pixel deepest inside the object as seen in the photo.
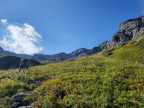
(127, 30)
(132, 26)
(80, 51)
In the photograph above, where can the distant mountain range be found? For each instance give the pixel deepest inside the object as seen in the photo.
(127, 30)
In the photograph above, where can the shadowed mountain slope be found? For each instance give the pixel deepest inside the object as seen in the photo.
(8, 62)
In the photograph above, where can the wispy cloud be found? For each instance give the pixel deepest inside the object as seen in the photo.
(3, 20)
(21, 39)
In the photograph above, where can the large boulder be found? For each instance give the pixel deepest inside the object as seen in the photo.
(18, 99)
(20, 96)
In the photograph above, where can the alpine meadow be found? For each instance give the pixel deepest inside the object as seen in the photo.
(71, 53)
(111, 78)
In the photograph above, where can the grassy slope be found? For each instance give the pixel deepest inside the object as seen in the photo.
(94, 81)
(133, 51)
(90, 81)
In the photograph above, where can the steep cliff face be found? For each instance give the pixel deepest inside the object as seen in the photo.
(127, 30)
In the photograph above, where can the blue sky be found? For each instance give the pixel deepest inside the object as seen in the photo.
(62, 25)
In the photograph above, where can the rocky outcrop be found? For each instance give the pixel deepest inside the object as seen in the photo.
(99, 48)
(19, 99)
(14, 104)
(81, 51)
(127, 30)
(95, 50)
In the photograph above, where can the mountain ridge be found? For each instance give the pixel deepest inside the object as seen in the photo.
(128, 30)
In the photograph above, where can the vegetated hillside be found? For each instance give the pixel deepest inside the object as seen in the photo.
(133, 50)
(93, 81)
(9, 62)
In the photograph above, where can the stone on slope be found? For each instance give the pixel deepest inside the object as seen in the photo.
(18, 99)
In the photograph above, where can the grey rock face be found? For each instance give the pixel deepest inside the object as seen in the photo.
(103, 45)
(15, 105)
(132, 27)
(99, 48)
(79, 52)
(18, 99)
(20, 96)
(95, 50)
(127, 30)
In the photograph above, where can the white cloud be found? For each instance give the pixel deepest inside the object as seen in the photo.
(3, 20)
(22, 39)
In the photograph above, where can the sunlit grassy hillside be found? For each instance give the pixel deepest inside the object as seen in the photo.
(131, 51)
(86, 82)
(94, 81)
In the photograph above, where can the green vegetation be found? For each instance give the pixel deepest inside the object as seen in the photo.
(131, 51)
(94, 81)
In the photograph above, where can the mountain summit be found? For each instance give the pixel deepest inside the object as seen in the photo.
(127, 30)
